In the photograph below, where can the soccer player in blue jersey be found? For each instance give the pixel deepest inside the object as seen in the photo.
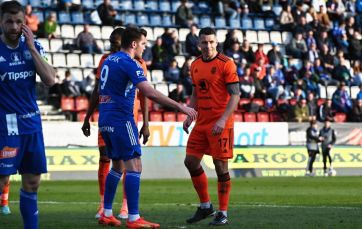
(120, 76)
(21, 140)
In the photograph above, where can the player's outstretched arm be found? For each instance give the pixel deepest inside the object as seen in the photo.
(45, 71)
(92, 106)
(234, 91)
(145, 132)
(160, 98)
(193, 104)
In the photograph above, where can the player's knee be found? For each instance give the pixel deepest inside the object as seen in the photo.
(223, 177)
(3, 181)
(192, 163)
(31, 185)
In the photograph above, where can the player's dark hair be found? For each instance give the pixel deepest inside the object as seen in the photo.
(130, 35)
(207, 31)
(11, 7)
(117, 32)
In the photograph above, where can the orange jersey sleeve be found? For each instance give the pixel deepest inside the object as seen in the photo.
(136, 103)
(210, 80)
(103, 58)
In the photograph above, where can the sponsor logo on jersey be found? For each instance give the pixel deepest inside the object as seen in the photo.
(104, 99)
(16, 59)
(17, 75)
(140, 74)
(204, 86)
(213, 70)
(106, 129)
(2, 59)
(8, 152)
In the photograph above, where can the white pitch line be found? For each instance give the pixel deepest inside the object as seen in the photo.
(253, 205)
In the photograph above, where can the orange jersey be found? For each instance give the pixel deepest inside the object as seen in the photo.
(210, 79)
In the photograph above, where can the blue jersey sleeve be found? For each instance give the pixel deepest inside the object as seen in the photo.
(136, 73)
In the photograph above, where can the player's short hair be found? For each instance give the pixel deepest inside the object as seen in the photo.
(207, 31)
(11, 7)
(131, 34)
(117, 32)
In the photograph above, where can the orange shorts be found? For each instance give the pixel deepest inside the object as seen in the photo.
(201, 141)
(101, 142)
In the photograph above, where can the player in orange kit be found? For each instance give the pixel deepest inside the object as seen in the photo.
(104, 161)
(4, 205)
(215, 96)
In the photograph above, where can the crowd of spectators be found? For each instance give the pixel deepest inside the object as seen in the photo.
(326, 40)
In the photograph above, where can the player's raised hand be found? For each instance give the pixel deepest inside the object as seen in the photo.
(145, 132)
(29, 36)
(218, 127)
(86, 128)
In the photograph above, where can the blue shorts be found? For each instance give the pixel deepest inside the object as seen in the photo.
(23, 153)
(122, 141)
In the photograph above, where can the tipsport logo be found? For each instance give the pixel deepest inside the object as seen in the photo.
(8, 152)
(16, 75)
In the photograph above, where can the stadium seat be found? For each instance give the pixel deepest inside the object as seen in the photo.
(164, 6)
(77, 18)
(156, 116)
(139, 5)
(126, 5)
(275, 117)
(340, 117)
(277, 9)
(86, 60)
(81, 116)
(221, 34)
(262, 117)
(246, 23)
(95, 116)
(96, 31)
(276, 37)
(67, 31)
(269, 23)
(167, 20)
(40, 15)
(77, 74)
(183, 33)
(88, 4)
(243, 102)
(322, 91)
(172, 86)
(106, 32)
(249, 117)
(293, 101)
(150, 35)
(251, 36)
(59, 60)
(87, 71)
(64, 18)
(205, 21)
(36, 3)
(354, 91)
(180, 60)
(163, 88)
(142, 19)
(320, 101)
(67, 103)
(287, 37)
(155, 19)
(180, 117)
(260, 102)
(44, 43)
(238, 117)
(234, 23)
(330, 90)
(152, 5)
(263, 37)
(157, 76)
(175, 5)
(81, 103)
(56, 45)
(259, 23)
(129, 18)
(73, 60)
(97, 58)
(169, 116)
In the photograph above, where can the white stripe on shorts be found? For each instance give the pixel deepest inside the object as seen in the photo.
(130, 133)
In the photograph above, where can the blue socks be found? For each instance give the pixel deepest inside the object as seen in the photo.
(29, 209)
(112, 181)
(132, 187)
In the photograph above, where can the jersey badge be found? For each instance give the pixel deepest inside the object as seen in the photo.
(2, 59)
(213, 70)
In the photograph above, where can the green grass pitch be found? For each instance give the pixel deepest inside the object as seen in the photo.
(303, 202)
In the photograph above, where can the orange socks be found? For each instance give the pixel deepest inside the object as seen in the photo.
(103, 171)
(223, 189)
(199, 179)
(5, 195)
